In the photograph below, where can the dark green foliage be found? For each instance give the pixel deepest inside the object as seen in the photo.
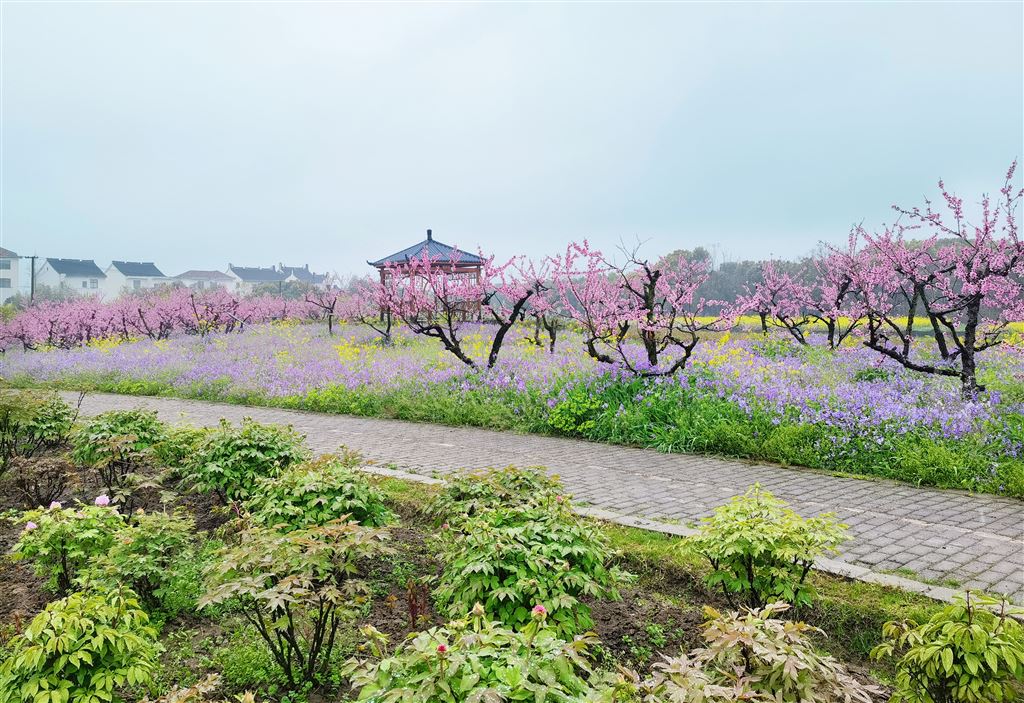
(679, 417)
(468, 493)
(31, 423)
(316, 492)
(230, 459)
(119, 444)
(474, 660)
(152, 555)
(513, 559)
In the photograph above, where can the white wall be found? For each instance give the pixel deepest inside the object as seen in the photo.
(9, 278)
(117, 283)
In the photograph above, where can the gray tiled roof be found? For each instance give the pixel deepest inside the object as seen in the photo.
(7, 254)
(81, 268)
(303, 274)
(257, 275)
(137, 268)
(198, 275)
(432, 248)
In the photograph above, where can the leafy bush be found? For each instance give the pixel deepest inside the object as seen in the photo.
(468, 493)
(296, 588)
(575, 412)
(762, 551)
(749, 657)
(971, 651)
(229, 460)
(119, 444)
(62, 542)
(316, 492)
(40, 480)
(151, 555)
(873, 374)
(474, 660)
(85, 648)
(179, 445)
(512, 559)
(31, 423)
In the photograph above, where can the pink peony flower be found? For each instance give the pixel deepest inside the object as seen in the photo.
(559, 499)
(54, 505)
(539, 611)
(29, 526)
(442, 648)
(444, 526)
(102, 500)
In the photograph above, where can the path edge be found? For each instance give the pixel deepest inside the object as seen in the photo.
(835, 567)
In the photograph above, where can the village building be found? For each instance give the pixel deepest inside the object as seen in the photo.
(80, 276)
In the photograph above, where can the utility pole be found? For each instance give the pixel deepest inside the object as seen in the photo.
(32, 279)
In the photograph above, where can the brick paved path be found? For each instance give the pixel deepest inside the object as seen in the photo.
(976, 541)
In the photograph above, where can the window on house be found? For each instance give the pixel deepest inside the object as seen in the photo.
(5, 264)
(5, 283)
(85, 284)
(93, 283)
(136, 284)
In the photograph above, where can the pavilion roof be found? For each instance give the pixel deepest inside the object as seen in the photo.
(432, 248)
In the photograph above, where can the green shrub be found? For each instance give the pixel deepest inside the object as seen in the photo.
(873, 374)
(151, 555)
(245, 662)
(62, 542)
(316, 492)
(761, 551)
(748, 657)
(179, 445)
(576, 412)
(511, 559)
(231, 459)
(118, 444)
(470, 492)
(86, 648)
(971, 651)
(474, 660)
(32, 423)
(296, 589)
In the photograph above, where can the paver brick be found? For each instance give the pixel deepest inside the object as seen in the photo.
(975, 540)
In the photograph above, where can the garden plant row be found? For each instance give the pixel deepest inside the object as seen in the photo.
(181, 564)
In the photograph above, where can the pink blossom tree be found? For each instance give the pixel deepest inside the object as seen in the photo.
(965, 278)
(636, 307)
(822, 293)
(369, 303)
(434, 298)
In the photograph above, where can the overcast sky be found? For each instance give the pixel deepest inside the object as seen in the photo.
(198, 134)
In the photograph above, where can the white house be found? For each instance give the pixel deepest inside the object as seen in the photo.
(245, 279)
(132, 277)
(9, 265)
(80, 276)
(204, 280)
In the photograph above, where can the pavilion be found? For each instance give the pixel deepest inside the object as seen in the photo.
(444, 257)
